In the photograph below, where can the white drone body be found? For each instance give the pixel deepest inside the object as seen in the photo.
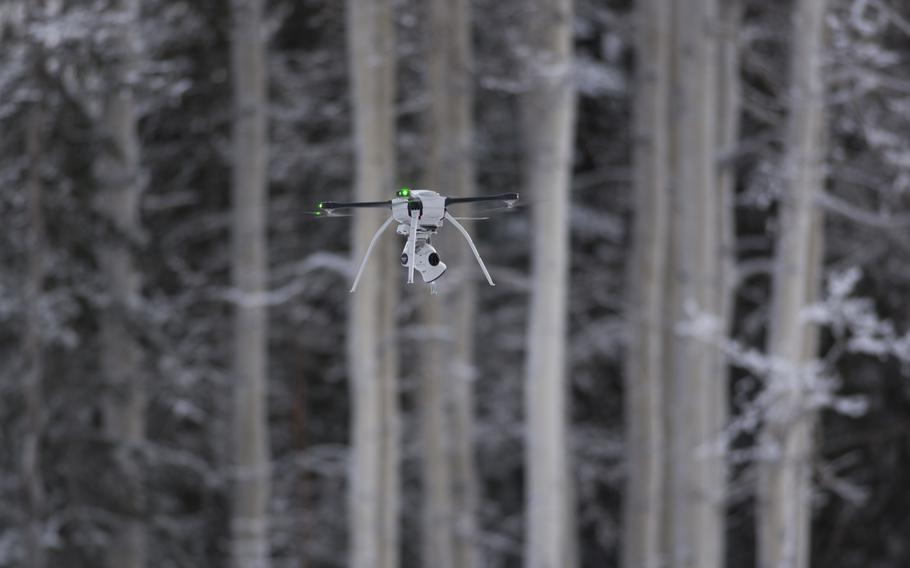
(420, 214)
(417, 221)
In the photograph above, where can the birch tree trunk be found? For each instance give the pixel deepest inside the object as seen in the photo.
(458, 164)
(117, 171)
(644, 510)
(549, 119)
(437, 528)
(464, 469)
(683, 263)
(251, 475)
(450, 491)
(32, 391)
(696, 485)
(372, 348)
(729, 105)
(784, 477)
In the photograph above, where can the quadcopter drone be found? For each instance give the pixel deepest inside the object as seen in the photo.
(420, 214)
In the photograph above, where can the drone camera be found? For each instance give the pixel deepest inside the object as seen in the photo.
(426, 261)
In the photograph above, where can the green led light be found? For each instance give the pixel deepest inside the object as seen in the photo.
(320, 204)
(318, 213)
(404, 192)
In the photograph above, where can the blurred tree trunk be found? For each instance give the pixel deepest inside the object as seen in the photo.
(251, 468)
(33, 342)
(437, 527)
(698, 393)
(372, 350)
(683, 265)
(450, 485)
(549, 120)
(644, 511)
(117, 171)
(458, 164)
(729, 105)
(464, 469)
(784, 476)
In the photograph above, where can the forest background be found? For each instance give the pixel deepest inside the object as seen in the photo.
(695, 354)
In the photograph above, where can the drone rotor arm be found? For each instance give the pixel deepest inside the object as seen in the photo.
(332, 205)
(471, 244)
(366, 256)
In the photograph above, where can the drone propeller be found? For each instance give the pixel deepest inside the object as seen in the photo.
(486, 205)
(505, 209)
(508, 198)
(478, 213)
(324, 214)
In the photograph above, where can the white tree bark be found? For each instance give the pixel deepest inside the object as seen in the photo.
(698, 408)
(459, 165)
(549, 120)
(117, 171)
(437, 527)
(729, 106)
(645, 384)
(464, 469)
(372, 351)
(784, 474)
(251, 469)
(676, 382)
(446, 403)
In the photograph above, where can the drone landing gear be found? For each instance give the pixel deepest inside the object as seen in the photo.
(471, 244)
(412, 244)
(419, 254)
(366, 256)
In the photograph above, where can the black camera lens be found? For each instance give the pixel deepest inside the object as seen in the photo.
(404, 259)
(434, 259)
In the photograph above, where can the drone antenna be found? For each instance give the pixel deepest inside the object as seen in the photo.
(412, 244)
(471, 244)
(366, 256)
